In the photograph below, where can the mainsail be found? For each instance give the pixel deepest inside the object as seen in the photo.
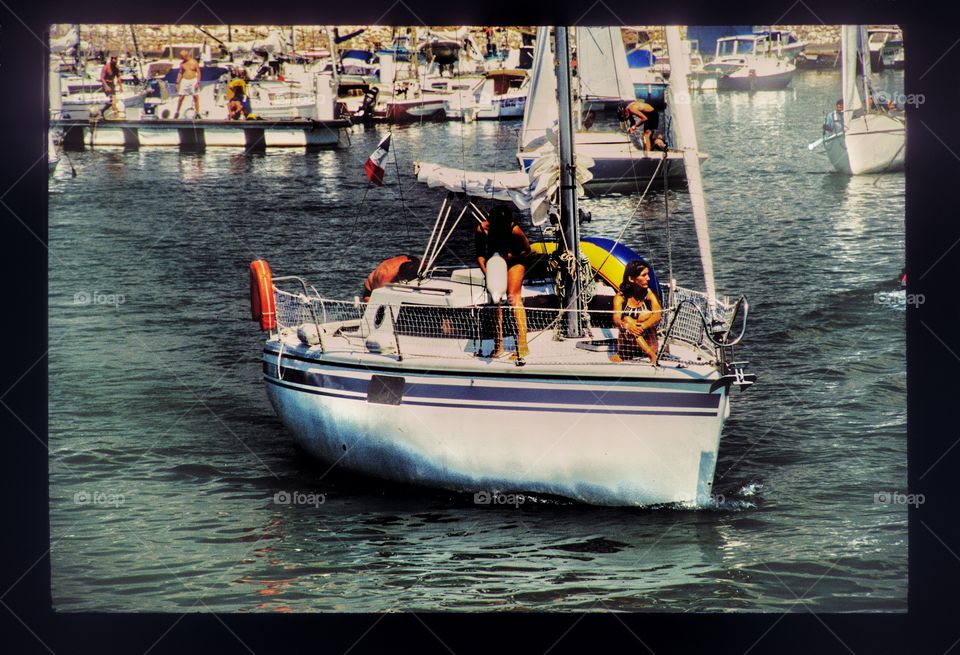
(848, 52)
(602, 64)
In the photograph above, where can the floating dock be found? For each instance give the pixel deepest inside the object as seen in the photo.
(198, 134)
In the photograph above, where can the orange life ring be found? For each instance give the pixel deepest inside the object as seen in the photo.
(263, 306)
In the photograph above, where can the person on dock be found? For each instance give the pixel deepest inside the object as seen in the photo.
(501, 234)
(390, 271)
(238, 107)
(111, 82)
(636, 312)
(188, 83)
(639, 113)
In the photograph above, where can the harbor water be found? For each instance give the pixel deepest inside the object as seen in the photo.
(174, 487)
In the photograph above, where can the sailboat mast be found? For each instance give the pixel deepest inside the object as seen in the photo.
(568, 194)
(863, 51)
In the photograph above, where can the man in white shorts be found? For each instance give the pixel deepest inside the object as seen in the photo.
(188, 83)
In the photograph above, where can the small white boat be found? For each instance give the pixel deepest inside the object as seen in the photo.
(748, 63)
(864, 137)
(501, 95)
(886, 48)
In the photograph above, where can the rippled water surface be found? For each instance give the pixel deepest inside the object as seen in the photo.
(166, 456)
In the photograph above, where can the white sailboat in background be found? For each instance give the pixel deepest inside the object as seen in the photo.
(405, 386)
(864, 137)
(620, 166)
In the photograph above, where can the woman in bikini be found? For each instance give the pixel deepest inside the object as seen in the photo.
(636, 312)
(501, 234)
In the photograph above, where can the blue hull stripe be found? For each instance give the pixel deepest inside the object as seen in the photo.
(525, 408)
(519, 394)
(271, 356)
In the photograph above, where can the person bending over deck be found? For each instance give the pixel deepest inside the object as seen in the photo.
(111, 82)
(188, 83)
(390, 271)
(501, 234)
(636, 311)
(639, 113)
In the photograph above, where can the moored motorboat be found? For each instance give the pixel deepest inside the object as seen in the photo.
(501, 95)
(749, 63)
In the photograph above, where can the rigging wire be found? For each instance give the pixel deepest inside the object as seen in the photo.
(635, 211)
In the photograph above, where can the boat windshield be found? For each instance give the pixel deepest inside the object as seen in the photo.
(727, 47)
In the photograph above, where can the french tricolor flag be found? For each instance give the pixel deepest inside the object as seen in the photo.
(374, 165)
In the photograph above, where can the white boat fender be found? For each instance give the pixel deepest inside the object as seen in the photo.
(497, 277)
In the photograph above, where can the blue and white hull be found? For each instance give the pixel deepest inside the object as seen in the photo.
(606, 441)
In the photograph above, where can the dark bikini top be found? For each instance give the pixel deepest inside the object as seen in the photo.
(634, 312)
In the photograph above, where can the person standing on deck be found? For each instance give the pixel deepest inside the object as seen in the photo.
(500, 234)
(188, 83)
(111, 82)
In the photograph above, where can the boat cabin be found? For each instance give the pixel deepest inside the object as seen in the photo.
(732, 46)
(501, 82)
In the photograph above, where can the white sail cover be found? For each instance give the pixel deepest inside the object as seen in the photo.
(536, 191)
(540, 113)
(602, 64)
(686, 136)
(513, 186)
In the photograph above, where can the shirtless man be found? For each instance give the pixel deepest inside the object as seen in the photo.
(640, 113)
(188, 83)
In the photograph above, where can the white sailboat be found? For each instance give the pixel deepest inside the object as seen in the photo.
(620, 165)
(863, 138)
(405, 386)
